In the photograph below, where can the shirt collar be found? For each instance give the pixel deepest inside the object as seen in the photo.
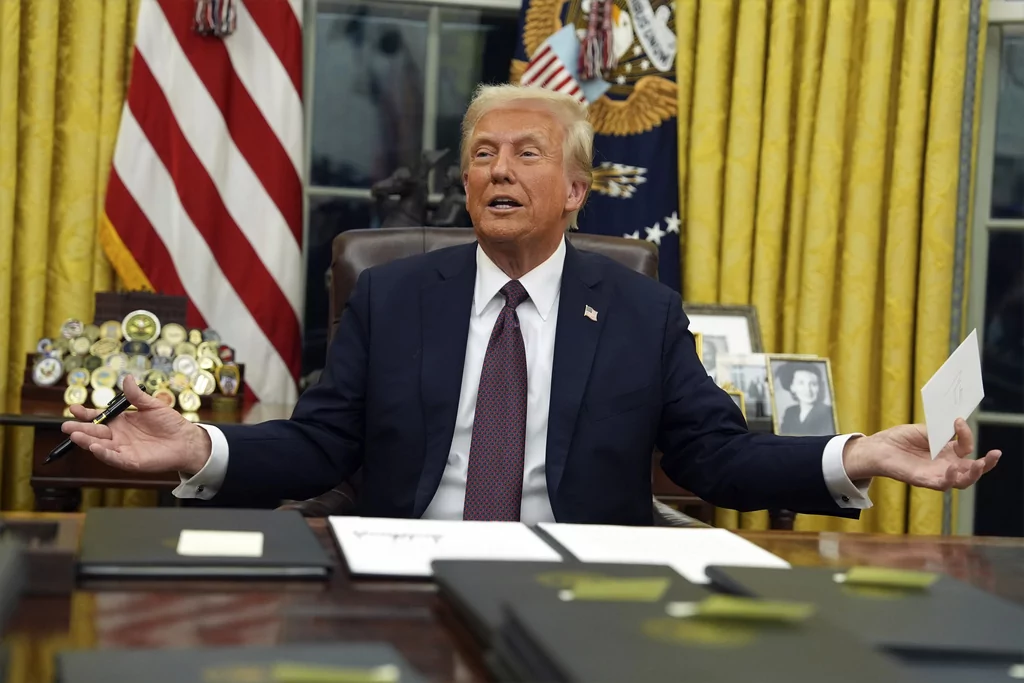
(542, 283)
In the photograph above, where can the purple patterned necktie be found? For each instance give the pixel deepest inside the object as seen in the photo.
(494, 484)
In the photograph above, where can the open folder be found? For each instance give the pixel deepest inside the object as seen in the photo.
(406, 547)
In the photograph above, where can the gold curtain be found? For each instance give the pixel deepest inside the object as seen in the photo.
(63, 74)
(818, 150)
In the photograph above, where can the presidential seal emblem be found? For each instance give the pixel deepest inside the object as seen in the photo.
(633, 88)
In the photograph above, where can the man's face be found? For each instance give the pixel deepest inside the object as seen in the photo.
(805, 386)
(517, 188)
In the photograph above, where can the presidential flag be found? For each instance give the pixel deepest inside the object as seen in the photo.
(205, 193)
(618, 58)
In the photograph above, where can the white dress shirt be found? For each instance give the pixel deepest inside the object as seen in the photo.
(538, 317)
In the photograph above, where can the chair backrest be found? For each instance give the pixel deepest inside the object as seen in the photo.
(357, 250)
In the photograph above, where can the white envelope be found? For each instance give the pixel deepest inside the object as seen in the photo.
(955, 390)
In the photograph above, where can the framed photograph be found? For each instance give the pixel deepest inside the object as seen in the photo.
(738, 398)
(725, 329)
(802, 396)
(747, 373)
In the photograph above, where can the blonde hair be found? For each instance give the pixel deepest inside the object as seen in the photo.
(578, 146)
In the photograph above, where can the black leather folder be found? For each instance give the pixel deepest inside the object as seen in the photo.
(477, 591)
(949, 616)
(250, 664)
(124, 543)
(596, 642)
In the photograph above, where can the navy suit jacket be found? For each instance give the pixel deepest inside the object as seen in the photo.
(620, 386)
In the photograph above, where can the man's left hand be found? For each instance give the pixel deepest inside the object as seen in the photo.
(902, 453)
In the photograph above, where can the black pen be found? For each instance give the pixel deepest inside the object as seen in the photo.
(116, 406)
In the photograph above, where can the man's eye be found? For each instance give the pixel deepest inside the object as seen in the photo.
(529, 153)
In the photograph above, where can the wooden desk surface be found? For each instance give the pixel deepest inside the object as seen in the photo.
(46, 414)
(407, 614)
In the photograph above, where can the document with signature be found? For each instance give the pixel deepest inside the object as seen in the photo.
(688, 551)
(955, 390)
(375, 546)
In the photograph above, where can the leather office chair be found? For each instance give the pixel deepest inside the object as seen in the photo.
(356, 250)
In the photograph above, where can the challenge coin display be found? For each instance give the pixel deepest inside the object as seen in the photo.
(178, 365)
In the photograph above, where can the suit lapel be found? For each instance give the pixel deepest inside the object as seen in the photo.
(576, 337)
(445, 305)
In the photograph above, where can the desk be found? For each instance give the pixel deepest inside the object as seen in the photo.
(406, 614)
(58, 486)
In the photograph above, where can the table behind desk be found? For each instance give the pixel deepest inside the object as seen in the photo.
(58, 486)
(175, 614)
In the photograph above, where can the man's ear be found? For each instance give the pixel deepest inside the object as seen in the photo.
(577, 195)
(465, 188)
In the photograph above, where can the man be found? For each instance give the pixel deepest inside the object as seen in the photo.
(519, 379)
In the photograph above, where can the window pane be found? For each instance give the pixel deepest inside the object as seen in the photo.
(1008, 174)
(368, 91)
(328, 217)
(998, 503)
(1003, 355)
(476, 47)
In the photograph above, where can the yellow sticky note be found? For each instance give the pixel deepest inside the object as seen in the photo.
(645, 589)
(748, 609)
(883, 576)
(287, 672)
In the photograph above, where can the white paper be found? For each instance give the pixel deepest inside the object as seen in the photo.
(208, 543)
(688, 551)
(955, 390)
(375, 546)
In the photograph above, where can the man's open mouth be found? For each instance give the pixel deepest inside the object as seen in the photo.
(504, 203)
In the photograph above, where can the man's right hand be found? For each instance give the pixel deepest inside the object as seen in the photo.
(155, 438)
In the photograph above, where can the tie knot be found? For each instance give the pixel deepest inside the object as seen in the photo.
(514, 294)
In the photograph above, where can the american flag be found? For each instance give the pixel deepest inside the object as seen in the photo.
(205, 193)
(547, 70)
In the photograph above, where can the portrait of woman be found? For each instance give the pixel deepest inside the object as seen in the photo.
(802, 397)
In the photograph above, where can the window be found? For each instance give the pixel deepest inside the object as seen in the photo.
(996, 306)
(385, 81)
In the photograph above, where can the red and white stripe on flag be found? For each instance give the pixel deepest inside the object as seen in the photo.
(546, 70)
(205, 194)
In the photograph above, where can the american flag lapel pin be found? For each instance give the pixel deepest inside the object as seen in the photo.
(590, 313)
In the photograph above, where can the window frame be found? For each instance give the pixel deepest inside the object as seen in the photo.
(1005, 18)
(432, 72)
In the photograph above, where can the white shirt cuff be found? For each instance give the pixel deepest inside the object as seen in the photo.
(205, 483)
(846, 493)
